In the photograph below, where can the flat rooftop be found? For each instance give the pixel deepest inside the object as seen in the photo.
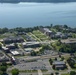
(69, 41)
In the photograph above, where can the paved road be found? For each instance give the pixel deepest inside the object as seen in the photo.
(45, 56)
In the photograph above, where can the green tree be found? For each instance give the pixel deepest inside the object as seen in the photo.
(72, 73)
(4, 64)
(52, 74)
(1, 73)
(62, 58)
(15, 71)
(65, 26)
(0, 46)
(3, 68)
(50, 60)
(33, 53)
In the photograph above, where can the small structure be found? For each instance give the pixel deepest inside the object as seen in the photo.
(29, 38)
(28, 50)
(5, 49)
(11, 46)
(21, 33)
(59, 65)
(15, 53)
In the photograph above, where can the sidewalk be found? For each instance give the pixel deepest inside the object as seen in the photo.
(40, 72)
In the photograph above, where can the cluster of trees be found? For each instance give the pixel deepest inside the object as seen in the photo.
(71, 62)
(18, 29)
(3, 68)
(41, 51)
(67, 48)
(15, 71)
(64, 29)
(3, 30)
(72, 73)
(51, 61)
(45, 47)
(33, 53)
(30, 29)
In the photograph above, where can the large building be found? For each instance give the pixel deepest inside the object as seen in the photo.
(69, 41)
(12, 39)
(47, 31)
(31, 44)
(59, 65)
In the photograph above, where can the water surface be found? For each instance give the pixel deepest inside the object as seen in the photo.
(33, 14)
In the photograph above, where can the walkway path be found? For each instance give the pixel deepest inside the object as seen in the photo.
(40, 72)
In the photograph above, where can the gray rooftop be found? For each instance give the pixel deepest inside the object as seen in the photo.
(58, 62)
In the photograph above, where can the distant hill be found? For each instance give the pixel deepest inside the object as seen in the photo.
(52, 1)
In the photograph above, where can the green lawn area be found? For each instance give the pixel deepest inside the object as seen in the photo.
(37, 32)
(55, 46)
(6, 35)
(24, 37)
(73, 35)
(52, 29)
(31, 35)
(65, 74)
(40, 35)
(2, 36)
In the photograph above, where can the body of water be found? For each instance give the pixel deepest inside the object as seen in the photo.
(35, 14)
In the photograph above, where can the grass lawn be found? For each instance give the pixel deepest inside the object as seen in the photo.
(65, 74)
(37, 32)
(40, 35)
(32, 35)
(73, 35)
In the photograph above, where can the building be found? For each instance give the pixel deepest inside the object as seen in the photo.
(59, 65)
(29, 38)
(11, 46)
(5, 49)
(60, 35)
(21, 33)
(28, 50)
(47, 31)
(69, 41)
(15, 53)
(13, 39)
(31, 44)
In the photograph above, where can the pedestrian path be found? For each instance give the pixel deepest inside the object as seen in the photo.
(40, 72)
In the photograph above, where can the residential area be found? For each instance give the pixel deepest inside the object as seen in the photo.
(49, 50)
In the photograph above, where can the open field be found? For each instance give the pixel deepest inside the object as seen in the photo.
(40, 35)
(65, 74)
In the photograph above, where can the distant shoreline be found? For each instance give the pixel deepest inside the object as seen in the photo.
(39, 26)
(38, 1)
